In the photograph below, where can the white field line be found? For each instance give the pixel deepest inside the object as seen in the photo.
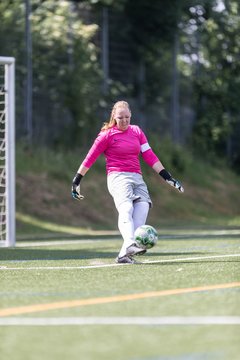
(194, 258)
(113, 265)
(164, 320)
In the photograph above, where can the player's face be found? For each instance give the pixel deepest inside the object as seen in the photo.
(122, 117)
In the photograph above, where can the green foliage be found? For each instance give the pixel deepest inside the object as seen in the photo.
(12, 28)
(64, 59)
(151, 23)
(217, 87)
(68, 103)
(71, 65)
(44, 160)
(49, 173)
(173, 156)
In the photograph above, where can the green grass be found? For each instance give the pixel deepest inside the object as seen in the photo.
(43, 185)
(29, 282)
(201, 223)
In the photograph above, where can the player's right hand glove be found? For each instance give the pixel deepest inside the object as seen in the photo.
(170, 180)
(76, 194)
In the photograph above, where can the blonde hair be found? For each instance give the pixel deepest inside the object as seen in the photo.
(112, 122)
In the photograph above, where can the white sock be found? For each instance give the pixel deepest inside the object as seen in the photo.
(126, 225)
(140, 213)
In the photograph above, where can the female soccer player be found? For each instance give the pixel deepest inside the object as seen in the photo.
(122, 144)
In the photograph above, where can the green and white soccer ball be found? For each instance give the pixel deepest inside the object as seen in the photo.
(146, 236)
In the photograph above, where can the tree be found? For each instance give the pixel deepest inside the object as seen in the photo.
(217, 89)
(65, 68)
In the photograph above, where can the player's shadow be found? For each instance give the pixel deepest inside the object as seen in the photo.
(19, 254)
(54, 254)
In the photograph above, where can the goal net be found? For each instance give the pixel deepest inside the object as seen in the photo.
(7, 151)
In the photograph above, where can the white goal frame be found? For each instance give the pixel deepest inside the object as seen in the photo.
(7, 153)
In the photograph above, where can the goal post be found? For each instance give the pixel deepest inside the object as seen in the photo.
(7, 152)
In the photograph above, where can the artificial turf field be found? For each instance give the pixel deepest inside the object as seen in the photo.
(69, 300)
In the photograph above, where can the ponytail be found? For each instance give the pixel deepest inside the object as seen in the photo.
(112, 122)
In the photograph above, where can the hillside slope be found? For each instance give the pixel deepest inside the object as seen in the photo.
(44, 178)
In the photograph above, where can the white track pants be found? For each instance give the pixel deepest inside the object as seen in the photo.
(131, 215)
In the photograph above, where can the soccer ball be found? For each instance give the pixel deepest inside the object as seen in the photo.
(146, 236)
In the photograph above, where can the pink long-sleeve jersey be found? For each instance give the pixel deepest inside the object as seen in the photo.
(121, 150)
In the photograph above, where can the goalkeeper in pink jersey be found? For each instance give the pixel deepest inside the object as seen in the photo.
(122, 143)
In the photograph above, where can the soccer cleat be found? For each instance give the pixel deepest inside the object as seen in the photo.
(124, 260)
(134, 249)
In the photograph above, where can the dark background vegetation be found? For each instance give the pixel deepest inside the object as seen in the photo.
(176, 62)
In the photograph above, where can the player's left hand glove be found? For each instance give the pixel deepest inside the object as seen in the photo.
(171, 181)
(76, 194)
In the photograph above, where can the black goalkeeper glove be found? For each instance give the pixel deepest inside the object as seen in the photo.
(76, 187)
(170, 180)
